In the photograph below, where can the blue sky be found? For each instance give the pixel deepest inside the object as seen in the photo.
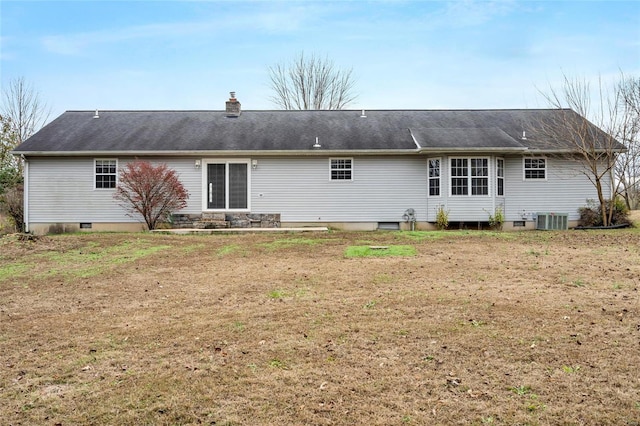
(404, 54)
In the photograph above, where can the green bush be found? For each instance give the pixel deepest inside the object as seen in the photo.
(9, 178)
(591, 214)
(11, 203)
(442, 218)
(496, 220)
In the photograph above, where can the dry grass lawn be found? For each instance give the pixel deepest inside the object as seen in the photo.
(535, 328)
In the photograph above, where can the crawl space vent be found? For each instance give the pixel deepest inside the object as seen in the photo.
(388, 226)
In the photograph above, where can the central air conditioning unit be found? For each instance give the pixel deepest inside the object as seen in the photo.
(552, 221)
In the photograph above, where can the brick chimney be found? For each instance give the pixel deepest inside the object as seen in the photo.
(233, 106)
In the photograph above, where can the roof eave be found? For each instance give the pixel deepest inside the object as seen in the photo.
(225, 153)
(298, 153)
(575, 151)
(441, 150)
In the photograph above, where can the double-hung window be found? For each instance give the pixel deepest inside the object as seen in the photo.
(535, 168)
(106, 173)
(469, 176)
(500, 177)
(341, 168)
(459, 176)
(479, 176)
(227, 185)
(434, 177)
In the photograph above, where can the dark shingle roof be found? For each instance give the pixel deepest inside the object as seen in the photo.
(481, 137)
(197, 131)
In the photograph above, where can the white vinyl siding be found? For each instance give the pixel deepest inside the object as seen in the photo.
(565, 189)
(62, 190)
(301, 190)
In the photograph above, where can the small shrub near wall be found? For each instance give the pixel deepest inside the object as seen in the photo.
(6, 226)
(496, 220)
(591, 215)
(442, 218)
(12, 206)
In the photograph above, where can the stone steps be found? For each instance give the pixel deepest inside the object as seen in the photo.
(208, 220)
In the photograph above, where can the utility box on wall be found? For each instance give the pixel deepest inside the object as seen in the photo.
(552, 221)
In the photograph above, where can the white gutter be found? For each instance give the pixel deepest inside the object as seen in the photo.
(264, 153)
(297, 153)
(201, 153)
(443, 150)
(575, 151)
(25, 194)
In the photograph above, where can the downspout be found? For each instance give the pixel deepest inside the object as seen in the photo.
(25, 178)
(493, 162)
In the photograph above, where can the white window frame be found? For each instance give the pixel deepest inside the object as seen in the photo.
(469, 176)
(534, 179)
(499, 178)
(95, 174)
(430, 178)
(331, 169)
(205, 190)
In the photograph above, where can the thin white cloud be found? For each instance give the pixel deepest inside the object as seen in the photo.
(469, 13)
(426, 17)
(278, 21)
(71, 44)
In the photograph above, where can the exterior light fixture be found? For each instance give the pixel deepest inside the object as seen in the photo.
(197, 163)
(254, 164)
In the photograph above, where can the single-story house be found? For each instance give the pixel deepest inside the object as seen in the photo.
(364, 169)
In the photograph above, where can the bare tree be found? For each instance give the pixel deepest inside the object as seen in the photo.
(23, 110)
(592, 136)
(628, 167)
(311, 82)
(22, 105)
(9, 171)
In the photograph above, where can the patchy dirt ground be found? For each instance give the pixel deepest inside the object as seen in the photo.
(475, 328)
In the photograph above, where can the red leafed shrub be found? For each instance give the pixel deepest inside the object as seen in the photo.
(152, 192)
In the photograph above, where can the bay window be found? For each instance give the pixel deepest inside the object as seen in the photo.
(469, 176)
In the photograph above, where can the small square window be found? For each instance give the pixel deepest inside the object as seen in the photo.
(106, 174)
(535, 168)
(341, 169)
